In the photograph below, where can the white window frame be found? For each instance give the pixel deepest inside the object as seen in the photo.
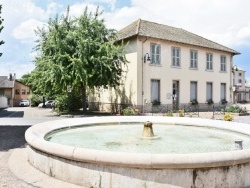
(223, 65)
(193, 59)
(155, 50)
(209, 60)
(176, 56)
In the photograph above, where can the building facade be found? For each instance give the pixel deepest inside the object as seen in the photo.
(169, 65)
(241, 89)
(14, 90)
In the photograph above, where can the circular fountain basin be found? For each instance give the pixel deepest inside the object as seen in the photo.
(166, 162)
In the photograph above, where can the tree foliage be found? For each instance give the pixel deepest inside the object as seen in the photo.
(78, 52)
(1, 27)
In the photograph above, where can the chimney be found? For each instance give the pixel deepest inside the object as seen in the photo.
(10, 77)
(14, 77)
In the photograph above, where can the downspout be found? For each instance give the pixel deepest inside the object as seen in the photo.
(231, 80)
(142, 76)
(232, 93)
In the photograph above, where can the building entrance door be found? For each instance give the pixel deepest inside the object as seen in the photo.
(175, 95)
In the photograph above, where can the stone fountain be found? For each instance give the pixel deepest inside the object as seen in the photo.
(92, 167)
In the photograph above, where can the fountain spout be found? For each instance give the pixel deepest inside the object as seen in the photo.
(148, 130)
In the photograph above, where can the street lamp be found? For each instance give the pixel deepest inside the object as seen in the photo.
(234, 68)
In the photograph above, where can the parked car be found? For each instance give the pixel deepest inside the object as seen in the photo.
(24, 103)
(48, 104)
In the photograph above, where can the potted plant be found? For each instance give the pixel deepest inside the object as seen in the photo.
(223, 101)
(156, 102)
(210, 101)
(194, 102)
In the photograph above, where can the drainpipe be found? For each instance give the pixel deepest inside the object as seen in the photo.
(142, 76)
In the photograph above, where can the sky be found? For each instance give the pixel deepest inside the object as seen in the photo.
(226, 22)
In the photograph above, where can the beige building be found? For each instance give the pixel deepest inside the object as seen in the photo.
(240, 88)
(171, 66)
(14, 90)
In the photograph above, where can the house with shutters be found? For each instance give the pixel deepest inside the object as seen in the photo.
(172, 66)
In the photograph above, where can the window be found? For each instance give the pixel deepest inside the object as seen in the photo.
(155, 90)
(223, 63)
(17, 91)
(209, 61)
(1, 92)
(23, 91)
(222, 91)
(209, 91)
(155, 54)
(176, 56)
(193, 59)
(239, 73)
(239, 81)
(28, 92)
(193, 91)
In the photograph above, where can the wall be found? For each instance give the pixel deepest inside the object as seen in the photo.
(21, 96)
(3, 102)
(127, 93)
(166, 74)
(137, 82)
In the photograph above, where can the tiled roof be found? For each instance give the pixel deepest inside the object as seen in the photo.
(5, 82)
(159, 31)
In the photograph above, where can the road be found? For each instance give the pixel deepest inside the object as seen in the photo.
(13, 124)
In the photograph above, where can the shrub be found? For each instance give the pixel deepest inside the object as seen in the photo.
(156, 102)
(210, 101)
(35, 100)
(181, 113)
(68, 102)
(129, 111)
(170, 113)
(223, 101)
(228, 117)
(236, 109)
(194, 102)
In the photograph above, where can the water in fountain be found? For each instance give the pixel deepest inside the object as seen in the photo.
(171, 138)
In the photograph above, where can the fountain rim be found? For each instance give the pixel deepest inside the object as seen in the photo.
(35, 137)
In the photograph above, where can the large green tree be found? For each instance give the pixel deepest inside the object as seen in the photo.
(79, 52)
(1, 27)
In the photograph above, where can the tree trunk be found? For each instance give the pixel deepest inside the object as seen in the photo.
(84, 102)
(44, 106)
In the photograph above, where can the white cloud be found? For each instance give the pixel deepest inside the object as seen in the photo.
(110, 3)
(244, 36)
(218, 20)
(22, 17)
(26, 30)
(18, 69)
(77, 9)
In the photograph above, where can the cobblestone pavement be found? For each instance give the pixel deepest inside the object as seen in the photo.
(13, 124)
